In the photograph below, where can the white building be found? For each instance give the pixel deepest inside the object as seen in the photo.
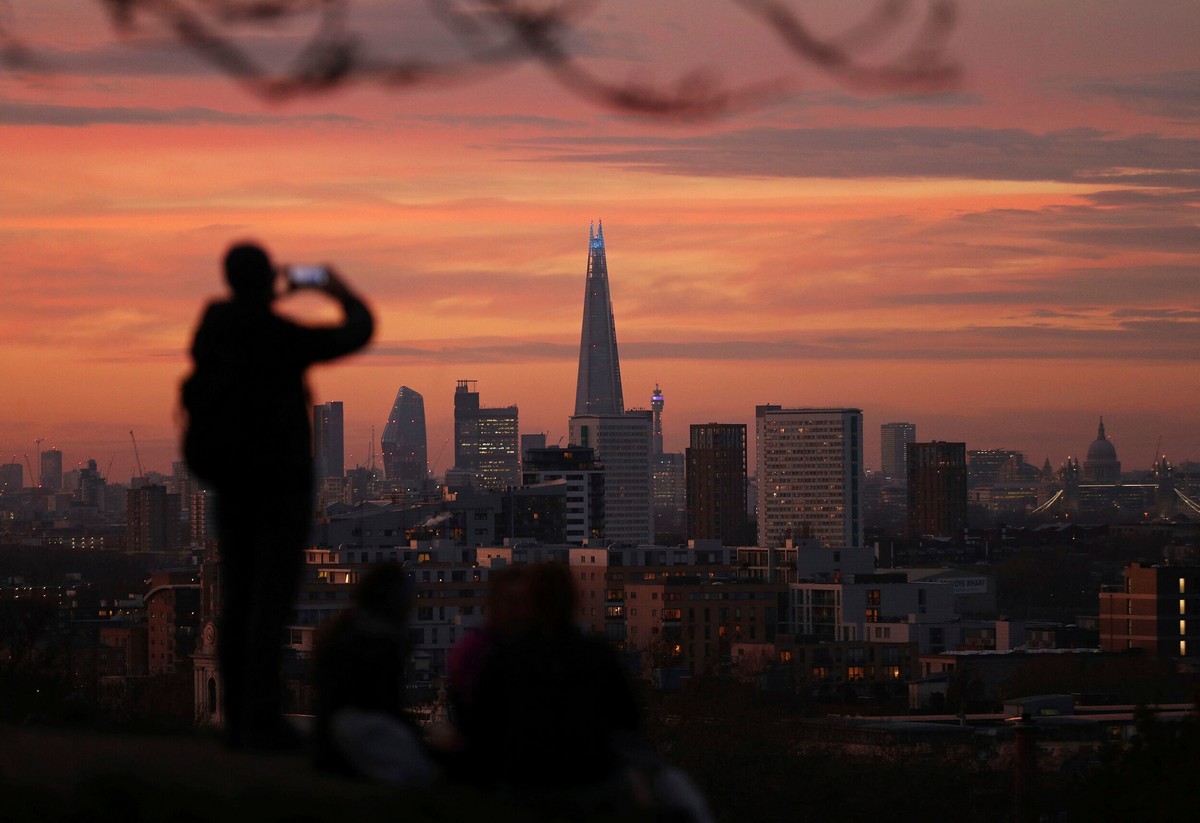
(809, 464)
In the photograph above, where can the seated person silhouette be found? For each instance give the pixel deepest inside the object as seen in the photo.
(550, 710)
(248, 439)
(547, 713)
(362, 729)
(506, 613)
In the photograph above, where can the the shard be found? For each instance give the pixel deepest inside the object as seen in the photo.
(598, 389)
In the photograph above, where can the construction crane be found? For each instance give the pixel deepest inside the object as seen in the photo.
(33, 478)
(136, 456)
(429, 468)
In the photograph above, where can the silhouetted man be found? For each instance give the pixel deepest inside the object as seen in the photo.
(248, 437)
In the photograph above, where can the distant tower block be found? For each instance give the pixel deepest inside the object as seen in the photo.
(405, 453)
(716, 483)
(52, 471)
(893, 437)
(598, 388)
(810, 475)
(486, 440)
(329, 443)
(937, 490)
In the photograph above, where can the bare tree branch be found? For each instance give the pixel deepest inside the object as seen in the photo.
(500, 34)
(924, 66)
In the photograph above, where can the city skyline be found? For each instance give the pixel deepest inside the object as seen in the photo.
(1001, 265)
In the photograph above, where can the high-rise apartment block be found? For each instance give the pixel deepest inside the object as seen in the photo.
(404, 444)
(485, 440)
(576, 468)
(329, 440)
(153, 519)
(893, 438)
(716, 483)
(622, 446)
(598, 386)
(810, 475)
(937, 489)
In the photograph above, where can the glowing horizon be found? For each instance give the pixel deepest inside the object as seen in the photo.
(1001, 264)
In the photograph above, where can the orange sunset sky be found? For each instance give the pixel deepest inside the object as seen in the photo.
(1001, 263)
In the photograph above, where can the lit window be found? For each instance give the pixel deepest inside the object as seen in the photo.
(1183, 648)
(1182, 586)
(1183, 627)
(1183, 607)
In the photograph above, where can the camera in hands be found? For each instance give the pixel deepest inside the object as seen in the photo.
(307, 277)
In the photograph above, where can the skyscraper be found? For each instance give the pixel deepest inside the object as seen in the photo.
(485, 440)
(716, 483)
(598, 387)
(623, 441)
(810, 475)
(937, 489)
(329, 440)
(404, 445)
(52, 473)
(622, 446)
(893, 437)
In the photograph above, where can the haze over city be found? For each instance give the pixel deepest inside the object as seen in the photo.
(1001, 263)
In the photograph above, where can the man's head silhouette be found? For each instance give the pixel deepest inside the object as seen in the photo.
(249, 272)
